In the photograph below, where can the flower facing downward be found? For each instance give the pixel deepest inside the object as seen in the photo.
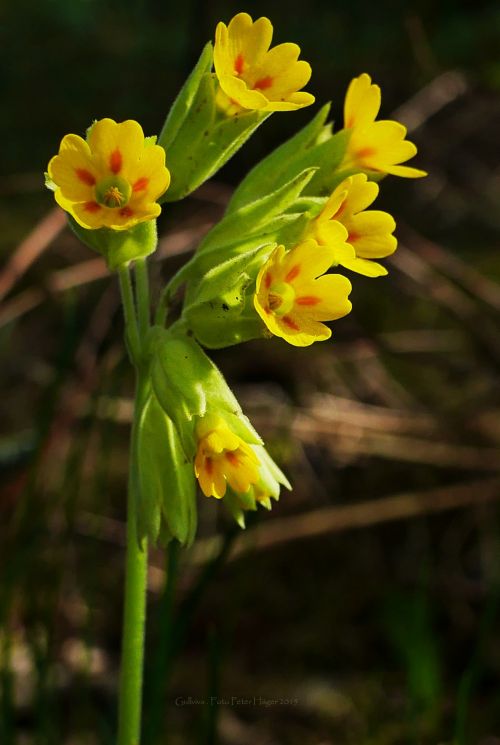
(223, 459)
(375, 145)
(292, 297)
(111, 180)
(367, 233)
(254, 76)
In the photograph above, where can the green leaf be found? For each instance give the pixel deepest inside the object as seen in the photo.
(119, 247)
(166, 480)
(251, 218)
(266, 176)
(183, 103)
(230, 274)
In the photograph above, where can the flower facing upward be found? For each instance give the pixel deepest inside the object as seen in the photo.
(367, 233)
(254, 76)
(375, 145)
(223, 458)
(111, 180)
(293, 299)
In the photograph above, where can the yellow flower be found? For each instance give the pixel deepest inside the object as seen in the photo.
(292, 298)
(375, 145)
(223, 459)
(113, 179)
(254, 76)
(367, 234)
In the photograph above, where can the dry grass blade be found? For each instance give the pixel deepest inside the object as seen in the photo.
(30, 249)
(347, 517)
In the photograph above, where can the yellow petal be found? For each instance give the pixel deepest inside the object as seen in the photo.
(330, 295)
(256, 40)
(366, 267)
(335, 200)
(148, 176)
(331, 233)
(237, 90)
(116, 147)
(406, 171)
(370, 233)
(362, 102)
(72, 169)
(361, 194)
(301, 331)
(306, 261)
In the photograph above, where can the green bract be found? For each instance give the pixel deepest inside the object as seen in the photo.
(199, 138)
(189, 385)
(119, 247)
(166, 485)
(314, 146)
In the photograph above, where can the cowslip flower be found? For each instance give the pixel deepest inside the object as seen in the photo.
(292, 297)
(112, 179)
(255, 77)
(223, 459)
(378, 146)
(366, 234)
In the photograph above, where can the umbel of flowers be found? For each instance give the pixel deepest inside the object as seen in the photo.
(297, 231)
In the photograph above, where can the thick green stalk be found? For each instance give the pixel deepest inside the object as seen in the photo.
(142, 288)
(134, 614)
(136, 564)
(131, 328)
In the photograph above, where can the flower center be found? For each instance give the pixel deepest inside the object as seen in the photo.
(113, 192)
(281, 298)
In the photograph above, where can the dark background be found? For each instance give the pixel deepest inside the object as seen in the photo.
(368, 599)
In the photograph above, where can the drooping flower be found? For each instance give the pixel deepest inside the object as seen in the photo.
(367, 234)
(112, 179)
(378, 146)
(255, 77)
(223, 459)
(292, 297)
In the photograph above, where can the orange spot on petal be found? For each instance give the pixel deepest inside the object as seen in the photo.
(308, 300)
(267, 280)
(263, 83)
(116, 161)
(293, 273)
(238, 64)
(85, 176)
(140, 184)
(232, 457)
(290, 323)
(353, 237)
(209, 466)
(92, 207)
(126, 212)
(365, 152)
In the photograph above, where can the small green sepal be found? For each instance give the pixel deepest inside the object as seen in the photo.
(119, 247)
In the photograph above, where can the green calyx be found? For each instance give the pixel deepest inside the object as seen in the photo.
(113, 192)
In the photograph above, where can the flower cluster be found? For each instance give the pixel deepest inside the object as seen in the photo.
(264, 270)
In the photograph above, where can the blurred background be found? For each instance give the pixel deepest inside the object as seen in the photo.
(365, 608)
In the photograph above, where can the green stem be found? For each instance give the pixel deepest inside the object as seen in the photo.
(142, 289)
(134, 614)
(131, 329)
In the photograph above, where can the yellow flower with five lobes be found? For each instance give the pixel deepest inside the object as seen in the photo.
(378, 146)
(255, 77)
(223, 459)
(112, 179)
(358, 235)
(292, 297)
